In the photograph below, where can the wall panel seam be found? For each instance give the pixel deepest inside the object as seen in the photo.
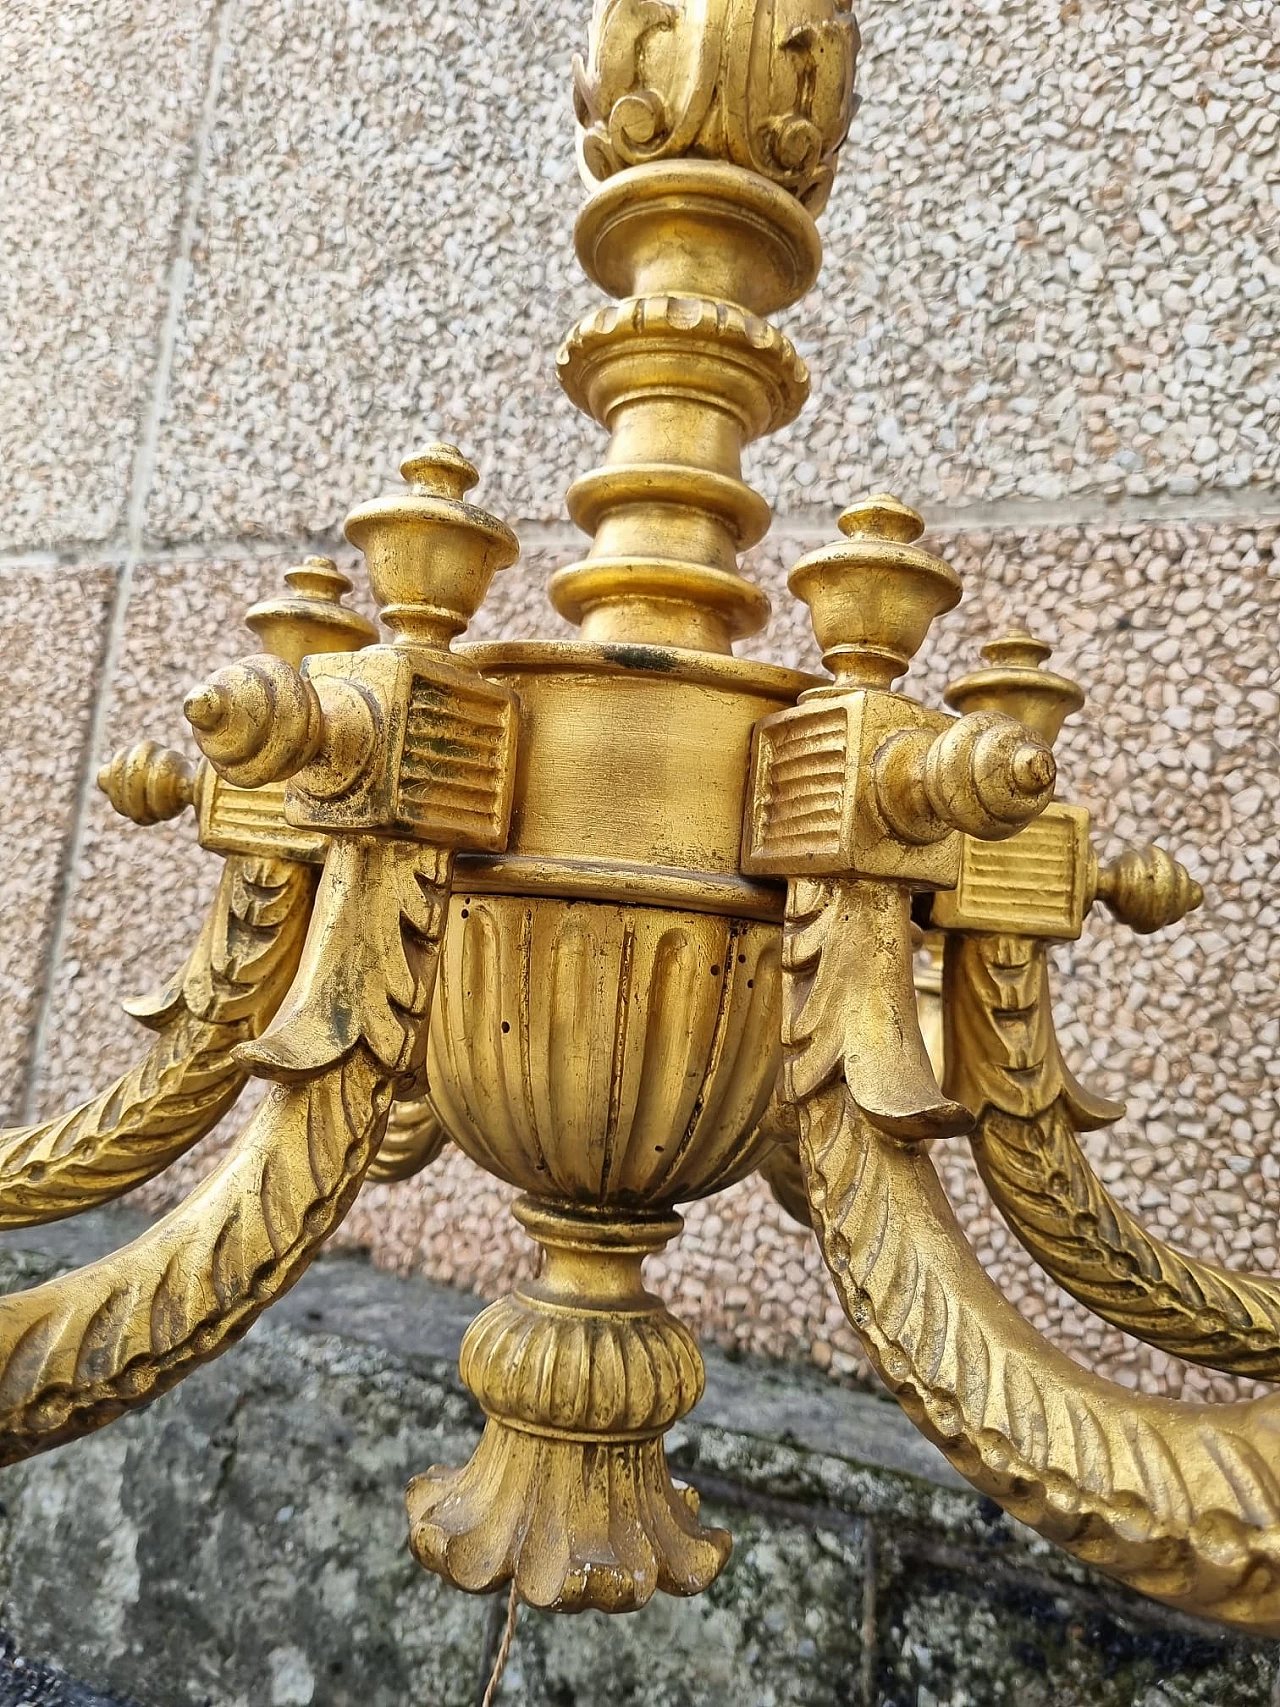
(140, 485)
(803, 527)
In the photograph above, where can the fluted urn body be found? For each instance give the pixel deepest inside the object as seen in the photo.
(605, 1055)
(606, 1032)
(606, 1037)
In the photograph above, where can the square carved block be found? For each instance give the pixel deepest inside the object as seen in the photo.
(251, 821)
(813, 810)
(1035, 884)
(444, 766)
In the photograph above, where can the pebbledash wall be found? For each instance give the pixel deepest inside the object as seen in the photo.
(255, 250)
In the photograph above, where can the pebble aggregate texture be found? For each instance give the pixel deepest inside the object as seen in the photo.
(264, 249)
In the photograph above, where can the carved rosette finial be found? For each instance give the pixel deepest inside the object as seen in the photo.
(762, 84)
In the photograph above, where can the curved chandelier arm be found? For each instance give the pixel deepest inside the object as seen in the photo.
(781, 1169)
(1003, 1060)
(242, 964)
(1181, 1502)
(87, 1346)
(414, 1139)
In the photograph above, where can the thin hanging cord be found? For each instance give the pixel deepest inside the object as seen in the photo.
(504, 1649)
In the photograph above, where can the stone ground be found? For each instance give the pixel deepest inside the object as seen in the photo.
(240, 1544)
(27, 1683)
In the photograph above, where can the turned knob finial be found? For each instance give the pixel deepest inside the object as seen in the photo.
(431, 555)
(989, 776)
(148, 783)
(1016, 683)
(311, 618)
(881, 516)
(440, 471)
(874, 594)
(985, 775)
(260, 720)
(1147, 889)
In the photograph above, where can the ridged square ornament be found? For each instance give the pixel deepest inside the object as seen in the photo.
(813, 807)
(1035, 884)
(443, 769)
(252, 822)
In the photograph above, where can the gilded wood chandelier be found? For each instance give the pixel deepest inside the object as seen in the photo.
(628, 917)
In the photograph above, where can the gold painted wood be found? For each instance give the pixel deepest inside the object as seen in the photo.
(612, 827)
(765, 84)
(606, 1033)
(782, 1169)
(1026, 1144)
(783, 1172)
(609, 1060)
(708, 134)
(243, 962)
(83, 1348)
(580, 1373)
(148, 783)
(414, 1139)
(1004, 1063)
(605, 1054)
(1179, 1501)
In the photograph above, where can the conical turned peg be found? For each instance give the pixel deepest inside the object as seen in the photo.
(259, 720)
(256, 721)
(1016, 684)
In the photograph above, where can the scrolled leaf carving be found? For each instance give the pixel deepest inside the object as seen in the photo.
(1182, 1502)
(86, 1346)
(233, 981)
(414, 1139)
(1004, 1062)
(766, 86)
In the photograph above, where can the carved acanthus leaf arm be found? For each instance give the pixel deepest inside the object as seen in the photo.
(1179, 1501)
(859, 1017)
(242, 964)
(382, 782)
(414, 1139)
(83, 1348)
(1003, 1060)
(780, 1168)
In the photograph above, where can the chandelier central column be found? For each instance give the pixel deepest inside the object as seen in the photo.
(684, 371)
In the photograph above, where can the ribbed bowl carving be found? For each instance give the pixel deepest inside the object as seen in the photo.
(602, 1053)
(590, 1374)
